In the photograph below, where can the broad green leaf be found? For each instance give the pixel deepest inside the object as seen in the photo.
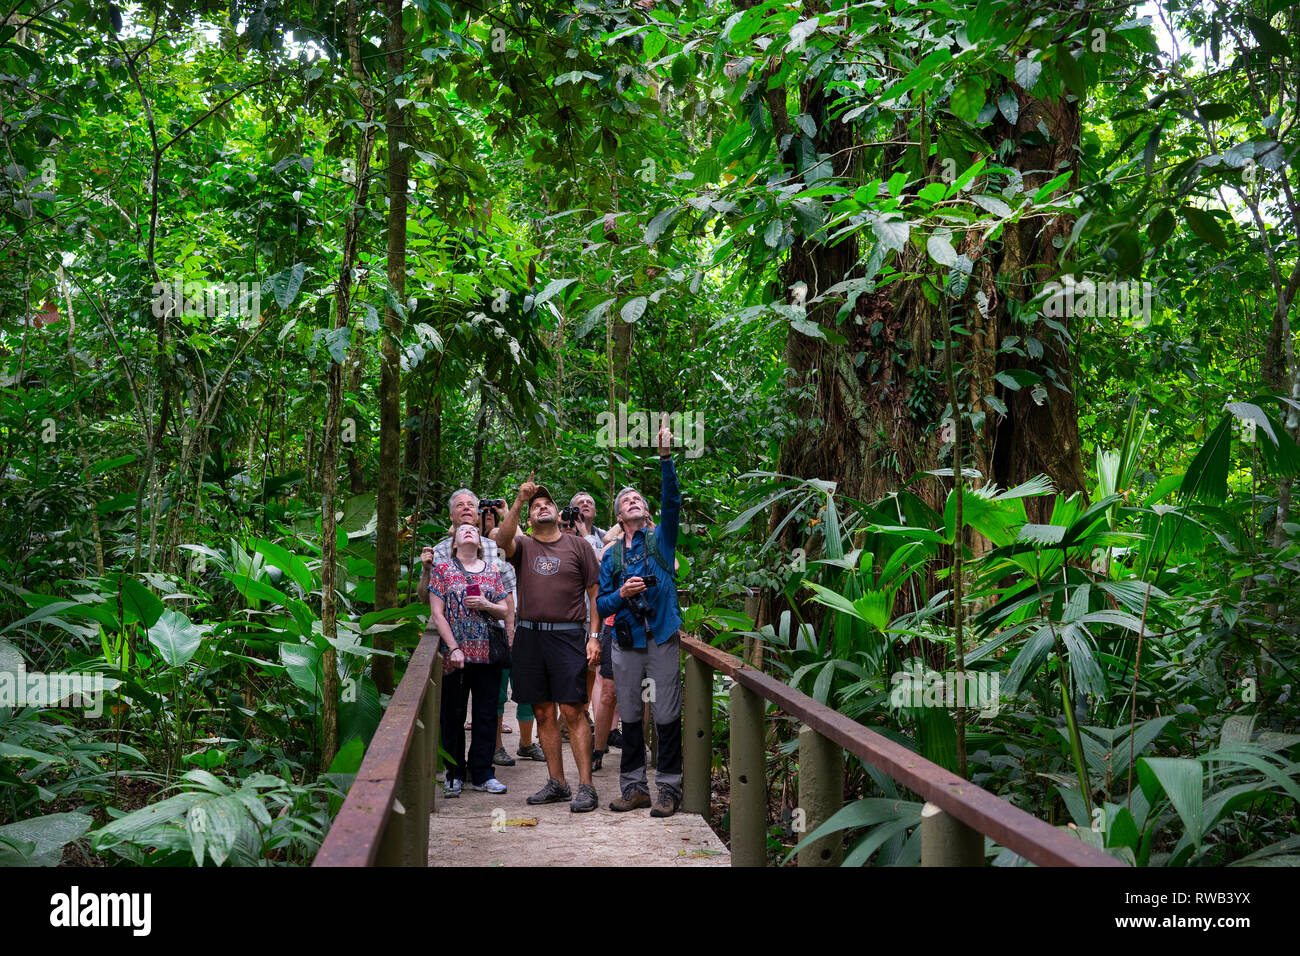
(215, 825)
(994, 205)
(941, 250)
(137, 602)
(892, 233)
(661, 223)
(256, 590)
(1009, 107)
(176, 637)
(1207, 476)
(968, 98)
(302, 663)
(553, 288)
(48, 835)
(1181, 779)
(633, 309)
(1269, 37)
(1206, 226)
(290, 563)
(284, 285)
(337, 342)
(1027, 72)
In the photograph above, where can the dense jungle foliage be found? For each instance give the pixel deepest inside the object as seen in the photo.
(985, 311)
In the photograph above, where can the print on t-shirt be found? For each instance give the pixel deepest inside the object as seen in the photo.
(553, 578)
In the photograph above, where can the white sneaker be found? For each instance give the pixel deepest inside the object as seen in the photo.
(491, 785)
(451, 790)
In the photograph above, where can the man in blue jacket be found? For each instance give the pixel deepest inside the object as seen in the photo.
(637, 585)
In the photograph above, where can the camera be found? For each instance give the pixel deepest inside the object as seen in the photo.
(637, 603)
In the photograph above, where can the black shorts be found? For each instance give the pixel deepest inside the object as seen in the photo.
(607, 652)
(549, 666)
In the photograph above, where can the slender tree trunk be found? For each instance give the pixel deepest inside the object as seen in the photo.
(81, 432)
(388, 485)
(329, 677)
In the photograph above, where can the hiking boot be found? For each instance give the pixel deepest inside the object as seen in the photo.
(666, 805)
(503, 759)
(632, 800)
(553, 792)
(533, 752)
(615, 740)
(491, 785)
(585, 801)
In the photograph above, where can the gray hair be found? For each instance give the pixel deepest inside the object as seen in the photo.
(618, 501)
(580, 494)
(451, 502)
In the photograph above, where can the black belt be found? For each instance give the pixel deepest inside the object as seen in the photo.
(549, 626)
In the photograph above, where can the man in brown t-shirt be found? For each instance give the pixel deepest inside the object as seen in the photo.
(556, 637)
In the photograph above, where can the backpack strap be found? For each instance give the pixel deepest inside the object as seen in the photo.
(652, 545)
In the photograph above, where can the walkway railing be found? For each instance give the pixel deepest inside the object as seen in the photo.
(957, 815)
(385, 819)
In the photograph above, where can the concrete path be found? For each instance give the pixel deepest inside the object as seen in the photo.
(485, 829)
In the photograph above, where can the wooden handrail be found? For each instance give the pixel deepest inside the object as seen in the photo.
(396, 772)
(385, 818)
(1008, 825)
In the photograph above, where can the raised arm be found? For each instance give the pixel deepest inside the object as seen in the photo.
(426, 563)
(508, 532)
(670, 496)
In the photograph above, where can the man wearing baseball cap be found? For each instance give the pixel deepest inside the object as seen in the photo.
(557, 637)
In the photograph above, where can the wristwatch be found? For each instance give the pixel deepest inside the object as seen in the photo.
(594, 636)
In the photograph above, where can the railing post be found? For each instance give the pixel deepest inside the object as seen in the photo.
(392, 844)
(946, 841)
(821, 794)
(417, 779)
(748, 779)
(414, 794)
(433, 719)
(697, 742)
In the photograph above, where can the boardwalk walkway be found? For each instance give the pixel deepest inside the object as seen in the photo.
(386, 818)
(484, 829)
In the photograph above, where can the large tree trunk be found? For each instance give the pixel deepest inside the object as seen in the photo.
(869, 427)
(390, 387)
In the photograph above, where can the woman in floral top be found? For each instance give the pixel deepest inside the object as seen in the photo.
(464, 620)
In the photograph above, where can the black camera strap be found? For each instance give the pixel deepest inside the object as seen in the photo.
(652, 546)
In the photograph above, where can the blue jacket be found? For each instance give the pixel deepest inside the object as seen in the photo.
(665, 617)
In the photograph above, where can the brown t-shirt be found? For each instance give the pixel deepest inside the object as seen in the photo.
(554, 577)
